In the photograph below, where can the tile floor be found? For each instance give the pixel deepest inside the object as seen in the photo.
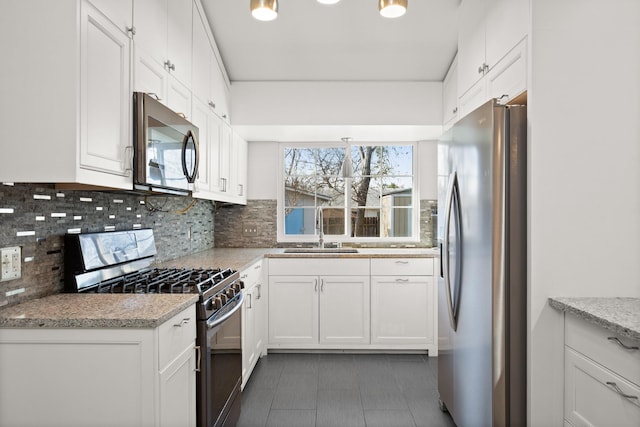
(343, 390)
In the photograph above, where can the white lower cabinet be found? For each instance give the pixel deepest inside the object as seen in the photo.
(308, 309)
(352, 308)
(147, 376)
(253, 319)
(401, 310)
(602, 377)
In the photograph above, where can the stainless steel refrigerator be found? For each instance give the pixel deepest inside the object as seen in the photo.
(482, 232)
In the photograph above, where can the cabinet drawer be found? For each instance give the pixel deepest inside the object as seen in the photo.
(593, 341)
(591, 398)
(402, 267)
(252, 274)
(319, 267)
(176, 334)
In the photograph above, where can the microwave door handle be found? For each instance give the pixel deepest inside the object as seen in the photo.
(190, 175)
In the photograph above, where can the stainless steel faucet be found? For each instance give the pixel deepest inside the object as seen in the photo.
(320, 226)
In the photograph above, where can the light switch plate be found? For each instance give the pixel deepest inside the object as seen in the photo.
(10, 263)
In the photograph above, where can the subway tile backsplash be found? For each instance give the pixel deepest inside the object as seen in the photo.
(36, 217)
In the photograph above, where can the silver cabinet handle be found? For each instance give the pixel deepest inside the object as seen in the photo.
(240, 190)
(259, 288)
(131, 30)
(621, 344)
(402, 280)
(321, 285)
(402, 262)
(257, 267)
(615, 387)
(155, 96)
(212, 104)
(455, 110)
(249, 303)
(315, 288)
(182, 322)
(199, 358)
(128, 160)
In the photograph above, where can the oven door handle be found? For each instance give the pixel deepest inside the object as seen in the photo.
(218, 321)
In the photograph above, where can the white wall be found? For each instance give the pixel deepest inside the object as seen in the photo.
(428, 169)
(584, 177)
(336, 103)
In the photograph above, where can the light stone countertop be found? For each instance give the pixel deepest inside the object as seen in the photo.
(96, 311)
(620, 315)
(240, 258)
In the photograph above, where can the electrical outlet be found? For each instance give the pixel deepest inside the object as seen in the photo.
(249, 230)
(11, 267)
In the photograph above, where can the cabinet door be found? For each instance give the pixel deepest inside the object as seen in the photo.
(200, 117)
(177, 391)
(507, 22)
(509, 76)
(150, 22)
(105, 95)
(473, 98)
(179, 98)
(224, 153)
(590, 398)
(344, 310)
(401, 310)
(179, 39)
(471, 44)
(450, 94)
(260, 318)
(201, 73)
(120, 12)
(248, 331)
(293, 310)
(238, 169)
(148, 75)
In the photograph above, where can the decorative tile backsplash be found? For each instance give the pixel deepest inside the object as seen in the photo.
(36, 217)
(231, 220)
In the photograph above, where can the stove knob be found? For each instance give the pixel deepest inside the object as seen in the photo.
(237, 287)
(241, 284)
(222, 298)
(230, 292)
(217, 303)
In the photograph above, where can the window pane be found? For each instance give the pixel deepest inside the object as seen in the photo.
(300, 191)
(333, 221)
(365, 222)
(365, 160)
(396, 221)
(394, 184)
(330, 191)
(366, 191)
(330, 161)
(397, 160)
(299, 161)
(299, 221)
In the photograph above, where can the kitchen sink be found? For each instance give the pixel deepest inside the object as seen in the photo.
(320, 251)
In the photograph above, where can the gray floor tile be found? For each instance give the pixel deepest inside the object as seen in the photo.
(377, 381)
(337, 379)
(425, 410)
(302, 363)
(256, 404)
(383, 400)
(376, 418)
(292, 418)
(264, 377)
(295, 398)
(298, 380)
(340, 418)
(339, 400)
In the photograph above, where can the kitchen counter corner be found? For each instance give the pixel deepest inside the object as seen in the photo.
(620, 315)
(96, 311)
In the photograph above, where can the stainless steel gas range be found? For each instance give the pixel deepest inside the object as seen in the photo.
(121, 262)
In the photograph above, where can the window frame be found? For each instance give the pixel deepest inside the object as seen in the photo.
(345, 238)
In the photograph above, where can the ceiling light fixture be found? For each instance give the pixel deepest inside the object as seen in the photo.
(328, 1)
(264, 10)
(392, 8)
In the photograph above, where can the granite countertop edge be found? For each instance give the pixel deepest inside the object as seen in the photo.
(138, 311)
(619, 315)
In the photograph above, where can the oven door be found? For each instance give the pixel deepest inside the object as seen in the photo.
(166, 148)
(220, 378)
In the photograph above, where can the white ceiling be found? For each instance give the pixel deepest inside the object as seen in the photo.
(348, 41)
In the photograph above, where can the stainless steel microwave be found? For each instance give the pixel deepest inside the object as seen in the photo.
(165, 155)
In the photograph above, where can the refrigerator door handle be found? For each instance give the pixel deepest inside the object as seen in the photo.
(452, 207)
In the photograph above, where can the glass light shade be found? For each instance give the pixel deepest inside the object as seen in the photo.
(264, 10)
(392, 8)
(328, 1)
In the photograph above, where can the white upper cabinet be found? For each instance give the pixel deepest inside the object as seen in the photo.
(450, 95)
(489, 29)
(72, 117)
(163, 32)
(119, 12)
